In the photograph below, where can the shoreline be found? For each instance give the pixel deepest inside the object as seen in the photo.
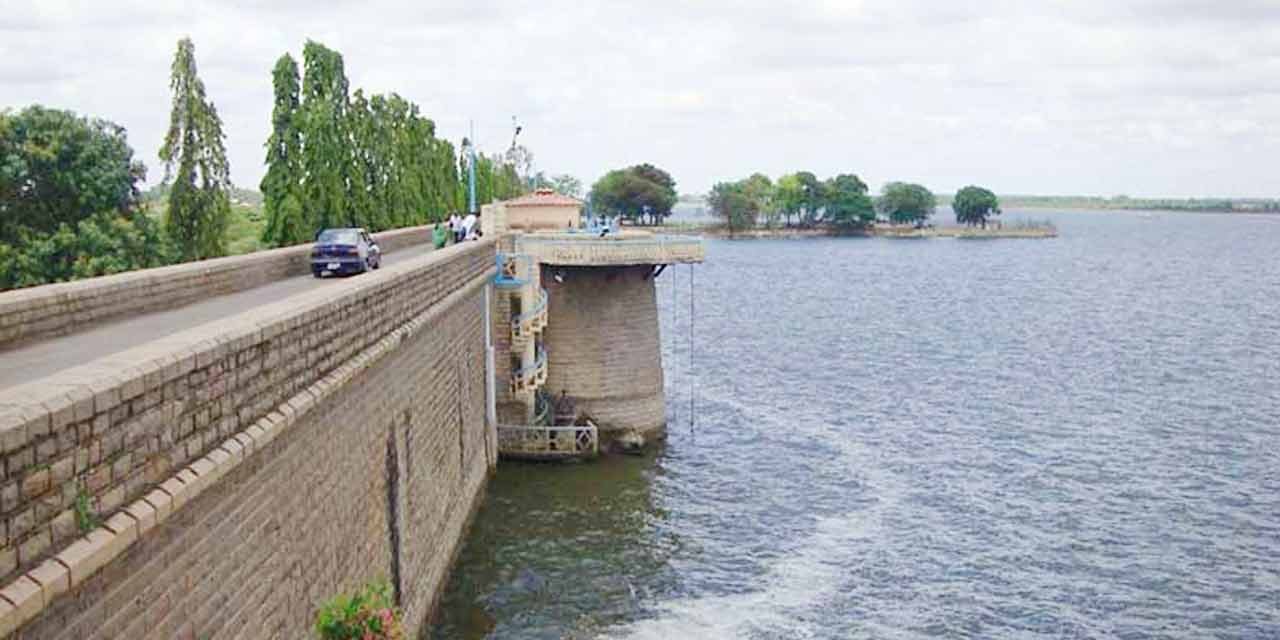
(879, 231)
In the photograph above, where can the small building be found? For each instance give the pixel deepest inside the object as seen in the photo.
(543, 210)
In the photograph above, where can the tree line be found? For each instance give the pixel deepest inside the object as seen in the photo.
(841, 202)
(70, 201)
(341, 159)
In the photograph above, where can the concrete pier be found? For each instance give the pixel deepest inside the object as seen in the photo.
(598, 343)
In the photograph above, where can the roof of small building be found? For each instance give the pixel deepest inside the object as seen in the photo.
(544, 198)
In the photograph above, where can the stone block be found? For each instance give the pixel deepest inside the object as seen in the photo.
(54, 579)
(27, 599)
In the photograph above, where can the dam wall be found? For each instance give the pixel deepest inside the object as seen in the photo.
(58, 309)
(226, 480)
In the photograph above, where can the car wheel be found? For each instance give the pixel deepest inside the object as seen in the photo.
(315, 273)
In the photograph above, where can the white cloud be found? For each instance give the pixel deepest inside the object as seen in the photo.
(1086, 96)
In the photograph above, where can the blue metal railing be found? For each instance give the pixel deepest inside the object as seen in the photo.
(513, 270)
(538, 363)
(538, 307)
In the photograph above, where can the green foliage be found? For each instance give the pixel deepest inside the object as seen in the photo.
(86, 517)
(634, 193)
(57, 168)
(367, 615)
(973, 205)
(789, 196)
(735, 204)
(847, 202)
(563, 184)
(813, 197)
(282, 184)
(101, 245)
(906, 203)
(326, 150)
(199, 205)
(354, 160)
(759, 188)
(245, 230)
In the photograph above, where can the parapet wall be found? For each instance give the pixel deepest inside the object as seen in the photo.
(245, 470)
(67, 307)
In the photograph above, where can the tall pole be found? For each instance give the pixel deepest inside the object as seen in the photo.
(471, 169)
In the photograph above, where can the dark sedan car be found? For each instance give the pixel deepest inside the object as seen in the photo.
(344, 251)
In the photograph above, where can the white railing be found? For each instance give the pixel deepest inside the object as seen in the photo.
(523, 325)
(548, 443)
(534, 375)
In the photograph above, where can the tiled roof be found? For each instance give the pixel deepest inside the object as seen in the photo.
(544, 198)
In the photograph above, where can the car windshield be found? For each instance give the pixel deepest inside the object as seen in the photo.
(339, 236)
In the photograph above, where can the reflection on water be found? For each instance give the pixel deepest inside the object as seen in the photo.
(1074, 437)
(562, 550)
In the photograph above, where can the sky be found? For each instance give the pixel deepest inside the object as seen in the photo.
(1092, 97)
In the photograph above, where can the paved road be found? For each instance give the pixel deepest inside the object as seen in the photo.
(38, 359)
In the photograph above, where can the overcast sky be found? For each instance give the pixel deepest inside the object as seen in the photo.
(1099, 97)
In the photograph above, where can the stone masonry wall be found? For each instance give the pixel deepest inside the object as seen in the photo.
(155, 423)
(603, 347)
(58, 309)
(307, 516)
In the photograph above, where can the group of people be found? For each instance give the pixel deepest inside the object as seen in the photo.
(467, 228)
(458, 229)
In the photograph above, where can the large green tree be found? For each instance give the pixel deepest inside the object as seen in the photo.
(789, 196)
(813, 198)
(282, 185)
(847, 204)
(326, 151)
(195, 164)
(973, 205)
(762, 192)
(906, 203)
(58, 168)
(635, 193)
(735, 204)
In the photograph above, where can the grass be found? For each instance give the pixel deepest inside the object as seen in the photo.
(244, 229)
(244, 232)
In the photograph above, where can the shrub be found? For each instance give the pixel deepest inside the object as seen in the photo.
(368, 615)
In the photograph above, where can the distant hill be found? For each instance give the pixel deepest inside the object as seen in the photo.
(248, 197)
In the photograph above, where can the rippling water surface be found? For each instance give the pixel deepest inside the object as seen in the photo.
(1076, 437)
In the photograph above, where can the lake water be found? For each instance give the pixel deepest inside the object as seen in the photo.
(1067, 438)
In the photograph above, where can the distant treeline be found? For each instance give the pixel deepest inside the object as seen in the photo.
(1222, 205)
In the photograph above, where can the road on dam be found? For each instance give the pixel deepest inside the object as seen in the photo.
(39, 359)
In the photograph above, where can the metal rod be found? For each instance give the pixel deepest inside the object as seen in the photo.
(693, 380)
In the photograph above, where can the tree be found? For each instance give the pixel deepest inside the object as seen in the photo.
(760, 189)
(906, 203)
(566, 184)
(846, 202)
(326, 151)
(789, 196)
(634, 193)
(105, 243)
(59, 168)
(199, 206)
(813, 198)
(735, 204)
(282, 185)
(973, 205)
